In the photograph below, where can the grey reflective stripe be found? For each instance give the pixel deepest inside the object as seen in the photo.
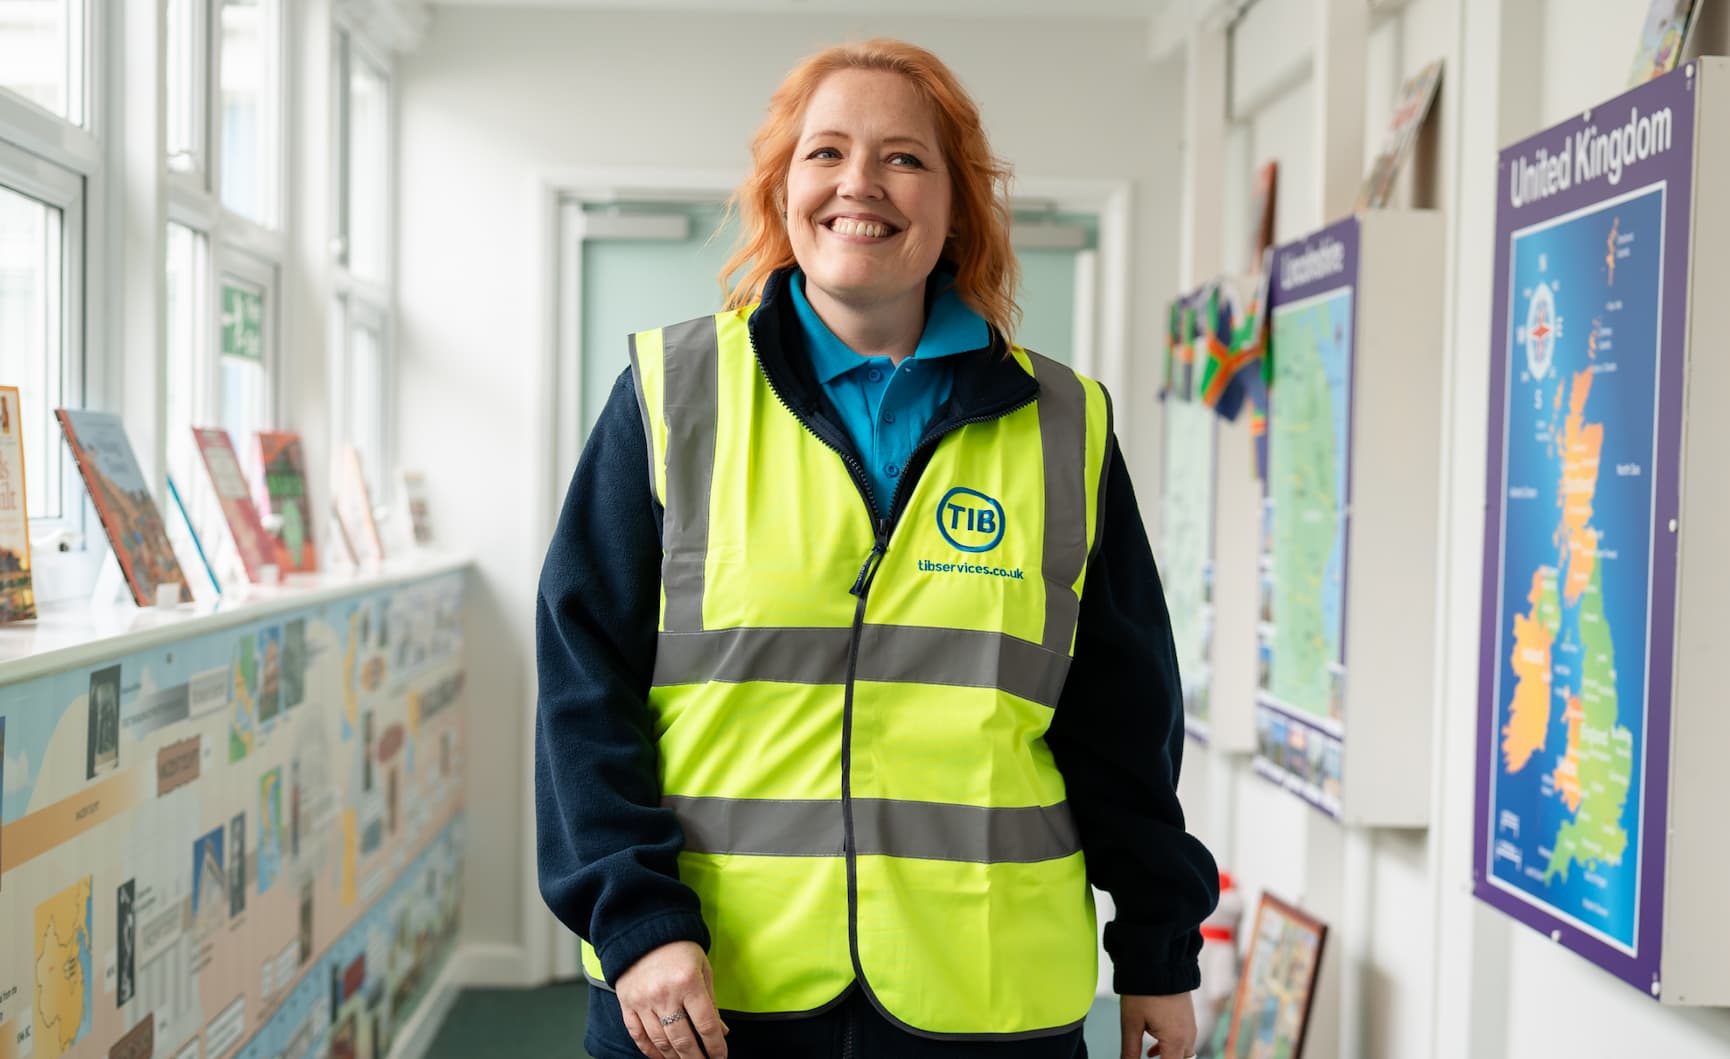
(764, 827)
(735, 656)
(691, 366)
(643, 409)
(911, 654)
(773, 827)
(1063, 442)
(894, 654)
(934, 831)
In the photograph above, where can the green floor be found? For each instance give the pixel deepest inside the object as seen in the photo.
(548, 1022)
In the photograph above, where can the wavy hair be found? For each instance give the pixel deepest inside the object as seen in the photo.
(986, 270)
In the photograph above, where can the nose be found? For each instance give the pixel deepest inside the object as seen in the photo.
(859, 178)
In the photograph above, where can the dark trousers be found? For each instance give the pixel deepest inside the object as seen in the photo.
(852, 1029)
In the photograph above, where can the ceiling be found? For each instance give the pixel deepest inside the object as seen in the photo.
(965, 8)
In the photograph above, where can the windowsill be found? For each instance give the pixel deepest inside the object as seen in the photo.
(71, 634)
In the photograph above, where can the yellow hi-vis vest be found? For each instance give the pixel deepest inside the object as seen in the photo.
(862, 776)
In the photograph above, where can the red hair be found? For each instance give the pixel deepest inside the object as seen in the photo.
(986, 271)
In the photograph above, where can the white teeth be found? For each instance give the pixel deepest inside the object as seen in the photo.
(848, 226)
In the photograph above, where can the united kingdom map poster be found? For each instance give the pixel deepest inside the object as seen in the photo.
(1579, 583)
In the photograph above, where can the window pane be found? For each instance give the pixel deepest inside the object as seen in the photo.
(368, 157)
(249, 108)
(242, 383)
(366, 400)
(184, 74)
(187, 376)
(32, 306)
(41, 53)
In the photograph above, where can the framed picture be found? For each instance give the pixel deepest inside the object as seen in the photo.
(1272, 1009)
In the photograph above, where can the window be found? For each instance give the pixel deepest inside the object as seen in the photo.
(42, 54)
(185, 74)
(243, 366)
(31, 306)
(188, 389)
(361, 333)
(251, 111)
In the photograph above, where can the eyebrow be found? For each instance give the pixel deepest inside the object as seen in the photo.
(914, 140)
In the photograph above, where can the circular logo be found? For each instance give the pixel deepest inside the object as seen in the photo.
(970, 520)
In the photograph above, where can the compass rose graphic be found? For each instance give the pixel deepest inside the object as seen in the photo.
(1543, 328)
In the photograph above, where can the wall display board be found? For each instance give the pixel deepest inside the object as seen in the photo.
(246, 843)
(1349, 557)
(1186, 517)
(1600, 719)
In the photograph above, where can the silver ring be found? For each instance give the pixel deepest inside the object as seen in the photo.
(668, 1020)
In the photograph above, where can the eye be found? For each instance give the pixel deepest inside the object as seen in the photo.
(906, 161)
(824, 154)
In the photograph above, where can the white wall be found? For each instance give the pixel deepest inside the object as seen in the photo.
(497, 101)
(1434, 972)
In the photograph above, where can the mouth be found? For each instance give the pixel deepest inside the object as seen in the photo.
(860, 228)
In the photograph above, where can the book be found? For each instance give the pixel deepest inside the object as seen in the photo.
(251, 543)
(353, 505)
(123, 502)
(414, 500)
(1410, 110)
(1662, 38)
(282, 495)
(17, 591)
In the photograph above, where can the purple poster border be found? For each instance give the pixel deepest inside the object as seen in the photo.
(1675, 167)
(1320, 263)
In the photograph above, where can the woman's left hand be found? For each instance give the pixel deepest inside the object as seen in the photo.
(1171, 1020)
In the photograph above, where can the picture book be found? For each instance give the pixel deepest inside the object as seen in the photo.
(1412, 106)
(282, 495)
(123, 501)
(17, 595)
(1661, 39)
(353, 503)
(1271, 1012)
(254, 546)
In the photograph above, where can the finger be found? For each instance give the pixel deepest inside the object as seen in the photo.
(657, 1035)
(683, 1039)
(707, 1022)
(640, 1037)
(1131, 1030)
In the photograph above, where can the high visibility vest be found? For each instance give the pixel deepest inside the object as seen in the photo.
(851, 732)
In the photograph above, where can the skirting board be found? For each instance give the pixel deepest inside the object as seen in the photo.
(484, 966)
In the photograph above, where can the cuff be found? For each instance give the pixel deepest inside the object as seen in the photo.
(1152, 961)
(630, 945)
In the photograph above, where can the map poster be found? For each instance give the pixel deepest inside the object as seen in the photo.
(1579, 590)
(1300, 703)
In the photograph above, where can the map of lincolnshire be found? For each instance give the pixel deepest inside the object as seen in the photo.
(62, 970)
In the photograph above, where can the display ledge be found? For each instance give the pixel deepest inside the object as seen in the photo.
(73, 634)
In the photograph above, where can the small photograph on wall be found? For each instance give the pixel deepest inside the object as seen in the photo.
(1275, 989)
(305, 921)
(270, 683)
(104, 736)
(293, 663)
(125, 937)
(237, 865)
(209, 878)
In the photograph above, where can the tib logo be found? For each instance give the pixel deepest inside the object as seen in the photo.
(970, 520)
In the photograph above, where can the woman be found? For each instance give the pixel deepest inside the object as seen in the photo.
(855, 668)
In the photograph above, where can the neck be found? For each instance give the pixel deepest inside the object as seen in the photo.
(876, 329)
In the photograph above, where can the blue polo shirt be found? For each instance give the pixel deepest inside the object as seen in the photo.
(885, 408)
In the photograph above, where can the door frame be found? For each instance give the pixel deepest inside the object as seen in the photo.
(1101, 352)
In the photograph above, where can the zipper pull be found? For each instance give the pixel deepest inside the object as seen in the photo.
(862, 584)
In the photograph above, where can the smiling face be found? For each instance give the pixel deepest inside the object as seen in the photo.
(868, 191)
